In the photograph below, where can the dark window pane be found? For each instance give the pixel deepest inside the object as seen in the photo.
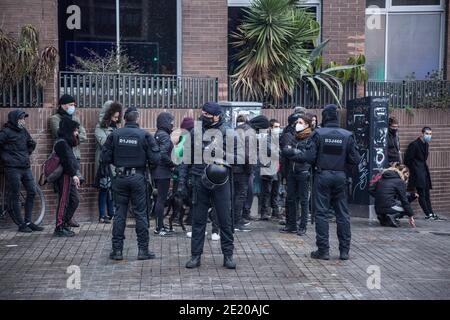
(148, 32)
(416, 2)
(378, 3)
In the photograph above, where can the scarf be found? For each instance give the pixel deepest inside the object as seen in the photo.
(303, 134)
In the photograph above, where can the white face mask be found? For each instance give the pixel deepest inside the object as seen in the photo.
(240, 123)
(21, 123)
(299, 127)
(276, 130)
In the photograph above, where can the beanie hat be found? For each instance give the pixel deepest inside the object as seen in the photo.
(293, 118)
(187, 123)
(66, 99)
(212, 108)
(259, 122)
(329, 113)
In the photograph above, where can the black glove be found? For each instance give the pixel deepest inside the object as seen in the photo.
(290, 152)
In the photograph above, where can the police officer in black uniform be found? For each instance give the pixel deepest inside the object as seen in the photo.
(331, 151)
(211, 184)
(130, 149)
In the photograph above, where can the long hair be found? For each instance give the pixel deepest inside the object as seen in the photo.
(113, 108)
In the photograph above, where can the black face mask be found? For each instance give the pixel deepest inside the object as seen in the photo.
(207, 122)
(113, 124)
(393, 131)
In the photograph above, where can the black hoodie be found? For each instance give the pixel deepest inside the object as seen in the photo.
(162, 137)
(64, 144)
(16, 144)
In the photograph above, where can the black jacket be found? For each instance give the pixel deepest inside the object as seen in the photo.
(240, 139)
(393, 147)
(188, 170)
(64, 146)
(16, 144)
(162, 136)
(390, 190)
(294, 163)
(416, 159)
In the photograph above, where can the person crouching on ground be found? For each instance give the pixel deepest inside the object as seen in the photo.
(67, 185)
(391, 198)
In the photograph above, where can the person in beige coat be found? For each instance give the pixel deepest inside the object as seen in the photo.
(110, 116)
(66, 110)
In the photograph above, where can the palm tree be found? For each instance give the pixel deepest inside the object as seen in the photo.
(276, 50)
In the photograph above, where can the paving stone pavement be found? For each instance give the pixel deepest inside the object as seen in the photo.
(413, 264)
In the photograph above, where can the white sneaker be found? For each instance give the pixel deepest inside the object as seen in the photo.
(215, 237)
(189, 234)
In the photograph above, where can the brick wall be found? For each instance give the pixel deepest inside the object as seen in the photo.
(439, 160)
(343, 22)
(42, 15)
(204, 48)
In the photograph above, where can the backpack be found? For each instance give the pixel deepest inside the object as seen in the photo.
(373, 183)
(52, 169)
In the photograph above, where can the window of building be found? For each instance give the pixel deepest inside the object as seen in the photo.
(404, 38)
(148, 32)
(236, 15)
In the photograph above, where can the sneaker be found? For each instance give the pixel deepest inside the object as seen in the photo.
(62, 232)
(215, 237)
(287, 230)
(241, 228)
(164, 232)
(25, 229)
(189, 234)
(104, 220)
(435, 217)
(34, 227)
(429, 217)
(301, 231)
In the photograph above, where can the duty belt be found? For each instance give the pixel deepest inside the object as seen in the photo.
(122, 171)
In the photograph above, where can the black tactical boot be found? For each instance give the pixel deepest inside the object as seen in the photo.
(228, 262)
(344, 255)
(145, 254)
(116, 255)
(194, 262)
(320, 255)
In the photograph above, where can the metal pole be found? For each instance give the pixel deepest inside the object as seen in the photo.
(118, 34)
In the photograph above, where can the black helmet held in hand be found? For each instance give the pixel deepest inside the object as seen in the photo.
(215, 175)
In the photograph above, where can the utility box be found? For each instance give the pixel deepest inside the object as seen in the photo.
(234, 108)
(368, 119)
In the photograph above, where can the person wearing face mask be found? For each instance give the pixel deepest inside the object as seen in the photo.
(110, 117)
(163, 171)
(211, 185)
(68, 184)
(393, 142)
(66, 110)
(270, 185)
(332, 150)
(16, 146)
(298, 178)
(420, 179)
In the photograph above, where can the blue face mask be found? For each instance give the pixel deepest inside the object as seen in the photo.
(71, 110)
(276, 130)
(427, 137)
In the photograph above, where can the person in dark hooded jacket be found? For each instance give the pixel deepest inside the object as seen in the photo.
(67, 185)
(391, 199)
(16, 146)
(163, 171)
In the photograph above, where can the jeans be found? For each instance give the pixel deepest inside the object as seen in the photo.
(105, 202)
(14, 177)
(297, 191)
(162, 185)
(424, 200)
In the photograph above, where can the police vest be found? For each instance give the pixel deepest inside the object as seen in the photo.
(130, 148)
(333, 148)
